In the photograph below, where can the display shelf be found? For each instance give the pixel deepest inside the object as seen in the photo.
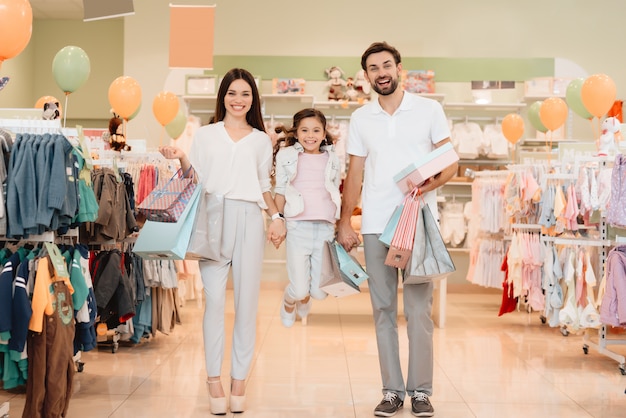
(440, 97)
(279, 105)
(461, 250)
(540, 98)
(478, 106)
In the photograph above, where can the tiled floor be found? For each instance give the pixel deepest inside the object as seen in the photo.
(485, 366)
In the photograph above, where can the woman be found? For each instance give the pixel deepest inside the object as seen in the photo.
(232, 156)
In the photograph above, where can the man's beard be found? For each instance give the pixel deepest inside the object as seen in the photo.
(393, 85)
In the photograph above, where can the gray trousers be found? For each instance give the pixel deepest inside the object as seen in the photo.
(243, 243)
(418, 300)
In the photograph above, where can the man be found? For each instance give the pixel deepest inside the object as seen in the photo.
(385, 136)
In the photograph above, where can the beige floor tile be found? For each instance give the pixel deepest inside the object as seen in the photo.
(485, 366)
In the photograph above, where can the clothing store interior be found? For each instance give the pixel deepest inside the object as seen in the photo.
(528, 263)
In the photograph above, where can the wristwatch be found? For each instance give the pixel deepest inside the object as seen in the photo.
(278, 215)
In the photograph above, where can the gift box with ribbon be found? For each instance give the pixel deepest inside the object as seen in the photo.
(167, 203)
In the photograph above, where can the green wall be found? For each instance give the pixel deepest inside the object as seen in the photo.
(446, 69)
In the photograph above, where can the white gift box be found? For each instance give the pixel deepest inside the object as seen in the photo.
(426, 167)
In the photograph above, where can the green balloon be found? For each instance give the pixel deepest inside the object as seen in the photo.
(574, 99)
(533, 117)
(71, 68)
(177, 126)
(131, 117)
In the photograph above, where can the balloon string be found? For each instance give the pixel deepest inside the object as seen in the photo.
(65, 110)
(596, 133)
(161, 137)
(549, 142)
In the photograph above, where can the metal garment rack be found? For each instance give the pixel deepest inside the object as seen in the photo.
(603, 341)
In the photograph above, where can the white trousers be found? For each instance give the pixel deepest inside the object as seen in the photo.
(305, 243)
(243, 243)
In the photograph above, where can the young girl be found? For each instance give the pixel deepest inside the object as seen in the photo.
(307, 191)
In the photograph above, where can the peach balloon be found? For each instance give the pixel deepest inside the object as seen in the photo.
(513, 127)
(165, 107)
(553, 113)
(598, 94)
(125, 96)
(16, 27)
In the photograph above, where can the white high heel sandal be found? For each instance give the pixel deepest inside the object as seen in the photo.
(218, 405)
(237, 402)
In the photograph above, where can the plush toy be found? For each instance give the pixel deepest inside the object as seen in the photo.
(611, 133)
(336, 84)
(117, 140)
(351, 93)
(51, 110)
(362, 87)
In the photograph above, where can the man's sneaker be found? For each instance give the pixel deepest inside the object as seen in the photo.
(420, 405)
(390, 404)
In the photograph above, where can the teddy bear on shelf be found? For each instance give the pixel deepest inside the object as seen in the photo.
(362, 87)
(611, 133)
(336, 84)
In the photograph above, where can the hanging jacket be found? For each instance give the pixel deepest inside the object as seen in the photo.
(613, 307)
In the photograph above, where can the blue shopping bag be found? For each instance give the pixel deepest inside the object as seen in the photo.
(390, 228)
(168, 240)
(349, 265)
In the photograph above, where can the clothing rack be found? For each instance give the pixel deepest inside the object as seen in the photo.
(31, 126)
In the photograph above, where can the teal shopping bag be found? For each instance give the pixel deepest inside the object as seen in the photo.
(349, 265)
(390, 228)
(164, 240)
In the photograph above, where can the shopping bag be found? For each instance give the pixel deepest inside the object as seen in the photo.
(390, 228)
(402, 241)
(167, 203)
(430, 259)
(349, 265)
(332, 280)
(168, 240)
(206, 237)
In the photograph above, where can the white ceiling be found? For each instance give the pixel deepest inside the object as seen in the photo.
(57, 9)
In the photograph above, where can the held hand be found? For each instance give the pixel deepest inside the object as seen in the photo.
(171, 152)
(276, 232)
(347, 236)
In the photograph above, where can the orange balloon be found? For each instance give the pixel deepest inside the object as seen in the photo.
(513, 127)
(553, 113)
(598, 94)
(47, 99)
(125, 96)
(16, 27)
(165, 107)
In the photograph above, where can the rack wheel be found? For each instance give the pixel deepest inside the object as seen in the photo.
(114, 347)
(564, 331)
(80, 366)
(622, 369)
(543, 319)
(585, 349)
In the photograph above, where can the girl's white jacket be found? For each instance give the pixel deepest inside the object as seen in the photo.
(286, 169)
